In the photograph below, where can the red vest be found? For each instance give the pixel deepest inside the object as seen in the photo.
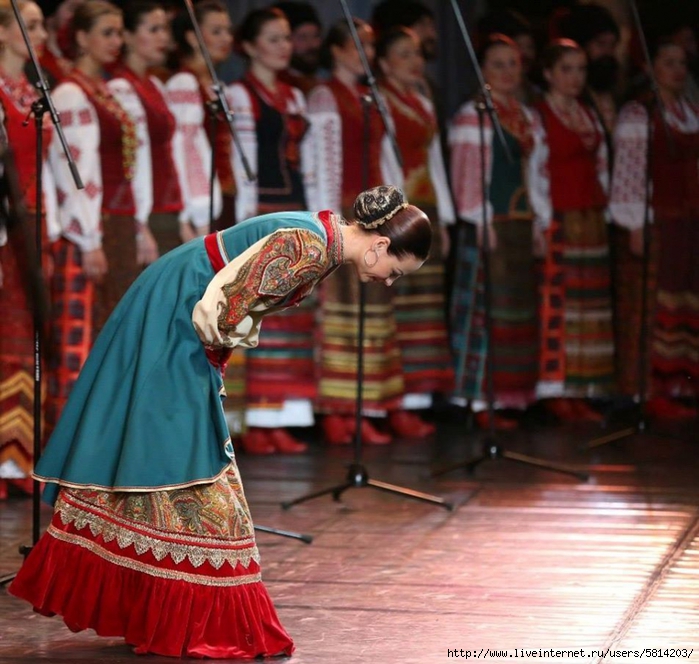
(116, 154)
(575, 183)
(16, 97)
(161, 128)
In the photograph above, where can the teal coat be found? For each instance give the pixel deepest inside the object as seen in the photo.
(146, 411)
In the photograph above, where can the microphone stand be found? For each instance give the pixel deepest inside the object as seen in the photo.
(357, 475)
(641, 424)
(42, 105)
(492, 449)
(217, 106)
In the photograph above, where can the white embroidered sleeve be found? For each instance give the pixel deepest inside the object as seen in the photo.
(537, 173)
(79, 210)
(391, 170)
(241, 105)
(628, 191)
(191, 151)
(142, 183)
(326, 127)
(465, 144)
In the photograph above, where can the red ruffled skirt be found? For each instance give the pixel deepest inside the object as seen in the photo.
(174, 572)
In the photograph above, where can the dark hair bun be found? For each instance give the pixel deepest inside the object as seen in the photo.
(376, 206)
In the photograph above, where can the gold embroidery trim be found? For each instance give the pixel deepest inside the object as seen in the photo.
(139, 489)
(178, 551)
(150, 569)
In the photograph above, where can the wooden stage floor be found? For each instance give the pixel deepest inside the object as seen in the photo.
(527, 560)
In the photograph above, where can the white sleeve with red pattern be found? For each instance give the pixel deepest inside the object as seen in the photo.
(142, 183)
(79, 210)
(537, 173)
(246, 200)
(391, 170)
(465, 144)
(191, 150)
(326, 128)
(628, 192)
(308, 162)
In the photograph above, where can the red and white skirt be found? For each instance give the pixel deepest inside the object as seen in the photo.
(174, 572)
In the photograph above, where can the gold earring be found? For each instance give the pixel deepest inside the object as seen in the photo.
(366, 262)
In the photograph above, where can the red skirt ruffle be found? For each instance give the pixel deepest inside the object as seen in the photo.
(160, 606)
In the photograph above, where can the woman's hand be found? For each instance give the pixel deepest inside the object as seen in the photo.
(146, 246)
(636, 242)
(539, 244)
(492, 236)
(186, 232)
(446, 241)
(95, 265)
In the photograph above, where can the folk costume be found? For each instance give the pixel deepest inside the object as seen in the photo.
(517, 199)
(143, 98)
(151, 537)
(104, 144)
(16, 311)
(577, 339)
(673, 288)
(272, 127)
(192, 151)
(419, 297)
(338, 129)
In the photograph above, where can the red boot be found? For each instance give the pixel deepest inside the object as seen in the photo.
(285, 443)
(370, 435)
(563, 409)
(666, 409)
(408, 425)
(585, 412)
(500, 422)
(336, 430)
(256, 441)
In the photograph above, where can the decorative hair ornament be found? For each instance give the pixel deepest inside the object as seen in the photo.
(376, 206)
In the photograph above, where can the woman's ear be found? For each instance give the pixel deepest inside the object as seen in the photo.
(191, 39)
(381, 244)
(547, 75)
(384, 66)
(81, 40)
(248, 49)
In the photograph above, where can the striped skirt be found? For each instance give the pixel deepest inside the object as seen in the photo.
(420, 310)
(282, 366)
(514, 317)
(174, 572)
(16, 361)
(577, 338)
(672, 342)
(72, 298)
(382, 387)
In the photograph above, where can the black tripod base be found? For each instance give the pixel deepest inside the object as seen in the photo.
(24, 550)
(285, 533)
(492, 450)
(358, 477)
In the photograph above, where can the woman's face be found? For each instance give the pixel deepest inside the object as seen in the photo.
(272, 46)
(670, 68)
(502, 69)
(217, 33)
(104, 40)
(150, 39)
(568, 74)
(11, 36)
(377, 265)
(347, 56)
(403, 62)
